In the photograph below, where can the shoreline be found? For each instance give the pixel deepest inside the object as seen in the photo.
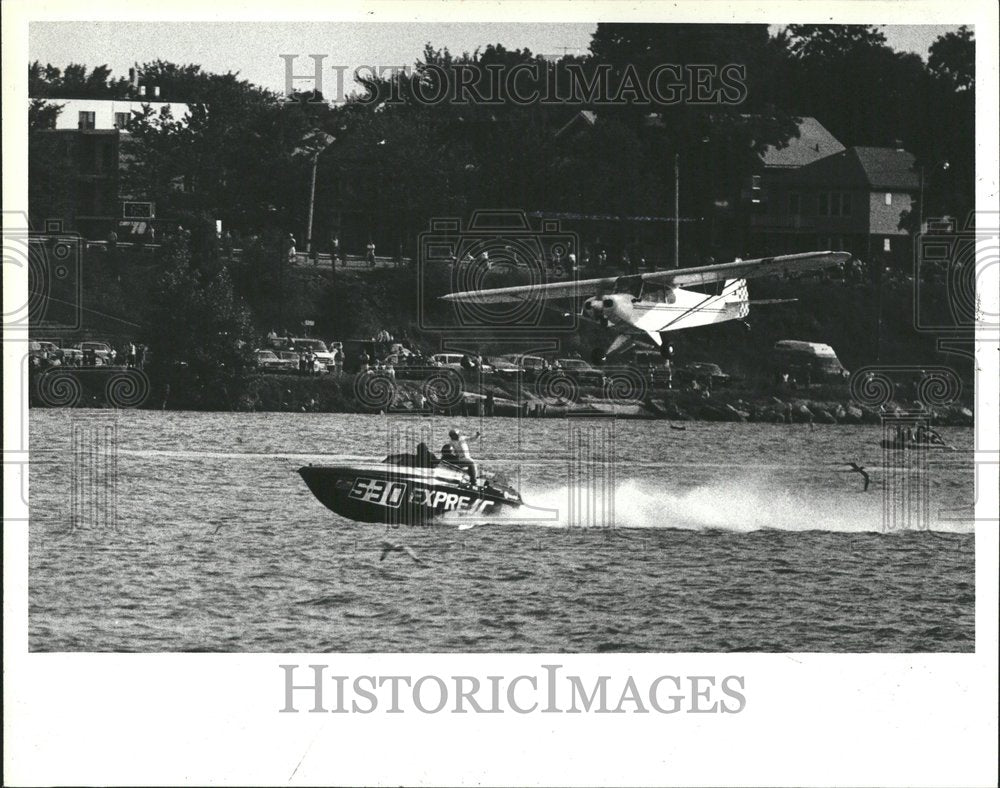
(450, 395)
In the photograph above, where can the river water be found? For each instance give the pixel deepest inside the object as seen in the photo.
(182, 531)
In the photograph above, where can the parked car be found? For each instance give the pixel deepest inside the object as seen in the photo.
(45, 346)
(101, 350)
(455, 361)
(702, 372)
(289, 360)
(504, 367)
(580, 371)
(318, 347)
(807, 360)
(268, 360)
(648, 364)
(532, 366)
(71, 357)
(43, 354)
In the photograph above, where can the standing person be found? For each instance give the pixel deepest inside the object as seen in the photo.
(140, 354)
(131, 355)
(370, 253)
(364, 360)
(290, 243)
(463, 457)
(334, 249)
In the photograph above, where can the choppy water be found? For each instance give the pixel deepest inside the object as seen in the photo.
(726, 537)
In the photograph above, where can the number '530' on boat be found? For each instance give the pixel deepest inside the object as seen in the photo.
(408, 489)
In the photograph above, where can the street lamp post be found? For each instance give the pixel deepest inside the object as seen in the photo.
(312, 203)
(677, 210)
(313, 144)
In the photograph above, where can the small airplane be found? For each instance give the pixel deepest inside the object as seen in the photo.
(656, 303)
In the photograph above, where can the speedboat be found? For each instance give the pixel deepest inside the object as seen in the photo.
(407, 489)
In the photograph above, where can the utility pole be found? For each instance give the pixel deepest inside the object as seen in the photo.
(313, 144)
(677, 210)
(312, 202)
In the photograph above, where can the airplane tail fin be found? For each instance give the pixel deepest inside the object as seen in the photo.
(738, 296)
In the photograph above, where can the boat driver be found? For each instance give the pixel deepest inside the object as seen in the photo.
(462, 456)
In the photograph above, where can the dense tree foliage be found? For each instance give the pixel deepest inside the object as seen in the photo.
(200, 332)
(398, 159)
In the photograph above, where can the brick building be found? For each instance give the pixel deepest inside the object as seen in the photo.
(76, 165)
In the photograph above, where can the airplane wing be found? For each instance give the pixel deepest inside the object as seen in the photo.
(503, 295)
(675, 277)
(747, 269)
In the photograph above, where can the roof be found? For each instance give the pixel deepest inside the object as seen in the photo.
(585, 116)
(865, 167)
(813, 143)
(889, 168)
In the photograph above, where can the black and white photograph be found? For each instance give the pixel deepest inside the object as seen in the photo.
(590, 338)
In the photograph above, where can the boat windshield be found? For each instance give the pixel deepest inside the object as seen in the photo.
(421, 458)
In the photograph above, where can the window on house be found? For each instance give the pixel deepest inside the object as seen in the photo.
(86, 120)
(755, 190)
(886, 245)
(888, 198)
(794, 203)
(121, 120)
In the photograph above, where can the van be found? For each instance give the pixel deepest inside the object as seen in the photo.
(814, 360)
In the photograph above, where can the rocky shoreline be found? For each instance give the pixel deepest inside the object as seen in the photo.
(453, 396)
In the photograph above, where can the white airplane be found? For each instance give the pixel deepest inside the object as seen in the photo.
(656, 303)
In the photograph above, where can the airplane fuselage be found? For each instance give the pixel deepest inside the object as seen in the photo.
(678, 309)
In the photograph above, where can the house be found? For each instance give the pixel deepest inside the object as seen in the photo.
(851, 201)
(76, 165)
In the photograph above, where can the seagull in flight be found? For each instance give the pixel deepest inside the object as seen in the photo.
(855, 468)
(389, 547)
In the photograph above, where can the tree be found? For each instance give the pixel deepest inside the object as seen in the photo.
(863, 91)
(42, 114)
(74, 83)
(953, 59)
(199, 332)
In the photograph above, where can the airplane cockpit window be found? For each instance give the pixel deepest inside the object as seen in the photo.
(629, 284)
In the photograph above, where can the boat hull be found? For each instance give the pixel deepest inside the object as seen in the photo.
(403, 496)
